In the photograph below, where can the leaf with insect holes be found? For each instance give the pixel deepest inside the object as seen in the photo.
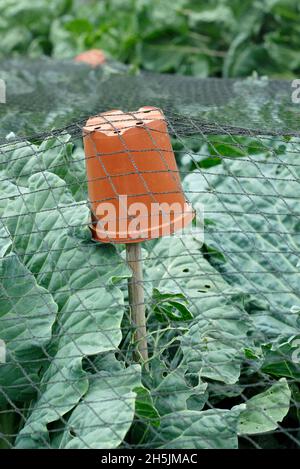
(263, 412)
(171, 306)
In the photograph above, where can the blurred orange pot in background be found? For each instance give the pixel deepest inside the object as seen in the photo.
(93, 57)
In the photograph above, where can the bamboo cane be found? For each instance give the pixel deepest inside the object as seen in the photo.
(137, 301)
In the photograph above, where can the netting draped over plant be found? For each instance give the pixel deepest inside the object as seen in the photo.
(45, 94)
(222, 300)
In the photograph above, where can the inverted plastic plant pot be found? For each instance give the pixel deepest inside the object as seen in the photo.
(92, 57)
(133, 180)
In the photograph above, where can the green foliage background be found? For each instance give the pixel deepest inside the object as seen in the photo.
(203, 38)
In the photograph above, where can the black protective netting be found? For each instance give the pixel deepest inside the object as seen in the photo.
(43, 95)
(222, 300)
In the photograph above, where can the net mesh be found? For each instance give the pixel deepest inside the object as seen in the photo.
(221, 299)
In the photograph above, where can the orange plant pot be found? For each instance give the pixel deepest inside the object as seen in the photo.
(92, 57)
(133, 180)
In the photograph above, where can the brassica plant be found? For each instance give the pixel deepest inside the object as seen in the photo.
(221, 325)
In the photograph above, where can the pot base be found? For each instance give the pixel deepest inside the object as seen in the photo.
(163, 229)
